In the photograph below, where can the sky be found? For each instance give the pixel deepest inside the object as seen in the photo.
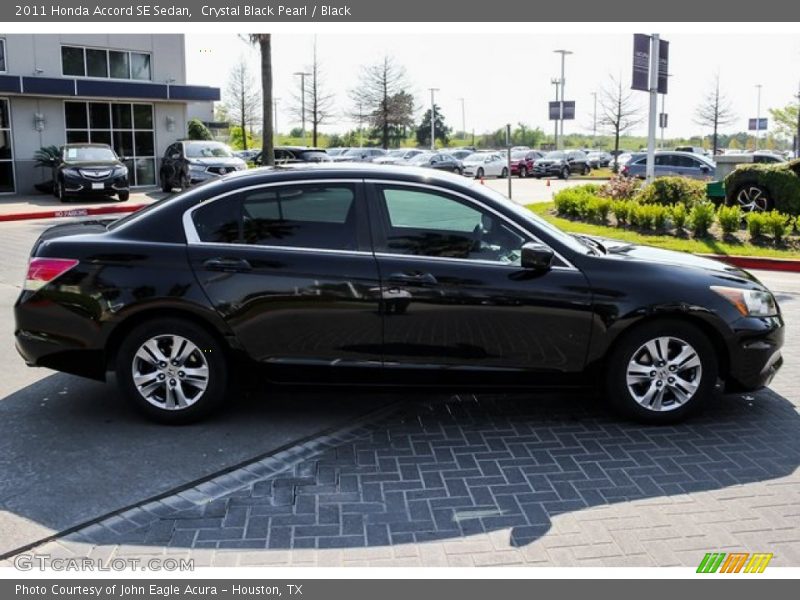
(506, 78)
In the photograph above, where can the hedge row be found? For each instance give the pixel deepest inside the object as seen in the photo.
(647, 211)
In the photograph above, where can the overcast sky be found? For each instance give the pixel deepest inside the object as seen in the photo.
(506, 78)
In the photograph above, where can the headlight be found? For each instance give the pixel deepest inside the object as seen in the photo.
(120, 171)
(750, 303)
(197, 167)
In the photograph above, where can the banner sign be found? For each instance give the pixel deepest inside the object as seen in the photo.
(568, 111)
(757, 124)
(641, 63)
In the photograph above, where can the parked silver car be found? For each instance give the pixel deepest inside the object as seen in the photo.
(684, 164)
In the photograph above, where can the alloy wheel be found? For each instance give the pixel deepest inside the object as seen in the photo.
(170, 372)
(752, 198)
(664, 374)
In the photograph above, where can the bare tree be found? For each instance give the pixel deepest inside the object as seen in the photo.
(243, 99)
(381, 97)
(264, 43)
(714, 111)
(619, 111)
(318, 102)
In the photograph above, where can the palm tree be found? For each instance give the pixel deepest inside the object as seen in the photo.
(264, 43)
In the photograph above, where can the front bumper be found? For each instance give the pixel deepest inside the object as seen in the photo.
(542, 170)
(755, 353)
(75, 185)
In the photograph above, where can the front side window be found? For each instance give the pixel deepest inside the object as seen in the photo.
(428, 223)
(302, 216)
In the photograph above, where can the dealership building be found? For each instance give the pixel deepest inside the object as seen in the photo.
(128, 91)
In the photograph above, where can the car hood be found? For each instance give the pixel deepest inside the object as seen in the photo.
(89, 164)
(619, 250)
(217, 160)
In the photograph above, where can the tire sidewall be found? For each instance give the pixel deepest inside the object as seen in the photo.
(619, 397)
(214, 355)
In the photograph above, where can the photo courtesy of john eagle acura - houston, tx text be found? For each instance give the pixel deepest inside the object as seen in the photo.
(375, 275)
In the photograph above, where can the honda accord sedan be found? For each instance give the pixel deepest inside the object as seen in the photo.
(360, 274)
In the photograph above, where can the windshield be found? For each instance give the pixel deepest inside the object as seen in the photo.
(564, 238)
(88, 153)
(395, 153)
(314, 155)
(207, 150)
(554, 155)
(519, 155)
(354, 152)
(420, 159)
(477, 157)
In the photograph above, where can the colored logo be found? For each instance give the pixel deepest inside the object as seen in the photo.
(735, 562)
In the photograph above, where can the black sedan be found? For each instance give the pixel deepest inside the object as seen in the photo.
(439, 161)
(378, 275)
(90, 171)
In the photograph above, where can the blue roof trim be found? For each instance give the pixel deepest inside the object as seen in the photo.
(193, 92)
(48, 85)
(121, 89)
(10, 83)
(104, 88)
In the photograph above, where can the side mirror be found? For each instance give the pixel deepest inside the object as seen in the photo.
(536, 256)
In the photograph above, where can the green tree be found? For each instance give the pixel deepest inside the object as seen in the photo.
(239, 142)
(198, 131)
(785, 120)
(440, 130)
(380, 98)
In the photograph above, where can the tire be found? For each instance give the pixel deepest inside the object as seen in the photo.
(166, 184)
(504, 173)
(586, 170)
(479, 173)
(59, 193)
(523, 172)
(201, 392)
(751, 197)
(123, 196)
(564, 174)
(659, 392)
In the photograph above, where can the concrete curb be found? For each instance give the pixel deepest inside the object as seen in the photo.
(756, 262)
(72, 212)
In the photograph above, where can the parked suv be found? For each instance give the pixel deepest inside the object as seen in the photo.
(193, 161)
(522, 161)
(561, 163)
(90, 170)
(285, 155)
(685, 164)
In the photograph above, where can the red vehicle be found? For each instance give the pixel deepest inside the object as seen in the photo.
(522, 162)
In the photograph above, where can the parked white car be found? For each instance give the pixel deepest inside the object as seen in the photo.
(485, 164)
(398, 156)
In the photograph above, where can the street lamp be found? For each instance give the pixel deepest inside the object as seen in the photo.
(563, 54)
(433, 118)
(556, 82)
(275, 119)
(594, 117)
(303, 76)
(463, 121)
(758, 115)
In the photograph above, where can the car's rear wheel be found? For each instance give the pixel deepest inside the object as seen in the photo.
(172, 370)
(661, 372)
(479, 173)
(504, 173)
(564, 174)
(586, 169)
(752, 197)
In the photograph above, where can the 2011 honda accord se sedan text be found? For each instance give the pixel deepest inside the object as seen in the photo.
(374, 275)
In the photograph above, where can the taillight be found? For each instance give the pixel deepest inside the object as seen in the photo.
(625, 170)
(42, 271)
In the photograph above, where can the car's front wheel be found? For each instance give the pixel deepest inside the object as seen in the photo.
(523, 172)
(661, 372)
(564, 174)
(172, 370)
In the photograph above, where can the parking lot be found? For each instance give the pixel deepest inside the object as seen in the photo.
(316, 478)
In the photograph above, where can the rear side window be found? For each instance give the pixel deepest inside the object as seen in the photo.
(307, 216)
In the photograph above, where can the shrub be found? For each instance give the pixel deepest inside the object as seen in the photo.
(620, 188)
(701, 217)
(660, 216)
(776, 224)
(679, 215)
(673, 190)
(781, 182)
(756, 224)
(603, 209)
(642, 216)
(197, 130)
(622, 210)
(730, 218)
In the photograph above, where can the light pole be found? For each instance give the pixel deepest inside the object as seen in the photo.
(650, 170)
(463, 121)
(758, 115)
(594, 118)
(797, 134)
(563, 54)
(303, 76)
(556, 82)
(433, 118)
(275, 120)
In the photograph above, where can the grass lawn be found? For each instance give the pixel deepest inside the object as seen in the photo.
(708, 245)
(602, 173)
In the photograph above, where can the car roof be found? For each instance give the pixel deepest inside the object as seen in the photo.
(300, 148)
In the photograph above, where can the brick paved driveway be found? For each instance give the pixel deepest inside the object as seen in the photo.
(497, 479)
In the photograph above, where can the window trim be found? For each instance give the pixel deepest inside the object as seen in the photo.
(12, 160)
(108, 63)
(193, 239)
